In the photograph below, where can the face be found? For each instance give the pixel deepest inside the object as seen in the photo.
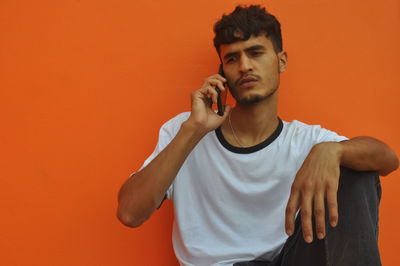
(252, 68)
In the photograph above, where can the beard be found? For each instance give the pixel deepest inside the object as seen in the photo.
(251, 99)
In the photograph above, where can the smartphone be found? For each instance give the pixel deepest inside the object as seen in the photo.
(221, 100)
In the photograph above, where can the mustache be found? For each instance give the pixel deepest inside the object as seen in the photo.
(247, 76)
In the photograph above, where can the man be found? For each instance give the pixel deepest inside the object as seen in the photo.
(238, 180)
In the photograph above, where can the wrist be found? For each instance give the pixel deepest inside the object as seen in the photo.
(193, 130)
(333, 149)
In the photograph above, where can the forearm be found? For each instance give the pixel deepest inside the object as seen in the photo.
(143, 193)
(365, 154)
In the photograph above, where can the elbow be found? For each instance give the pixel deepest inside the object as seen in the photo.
(393, 164)
(129, 219)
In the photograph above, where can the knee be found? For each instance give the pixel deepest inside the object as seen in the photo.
(358, 181)
(358, 189)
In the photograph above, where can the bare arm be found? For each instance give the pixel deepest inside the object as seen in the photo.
(366, 154)
(318, 178)
(140, 196)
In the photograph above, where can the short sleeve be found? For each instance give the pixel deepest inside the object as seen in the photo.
(325, 135)
(303, 137)
(167, 132)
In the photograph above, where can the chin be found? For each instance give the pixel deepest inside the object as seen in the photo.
(254, 98)
(251, 100)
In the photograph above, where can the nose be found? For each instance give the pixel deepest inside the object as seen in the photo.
(245, 64)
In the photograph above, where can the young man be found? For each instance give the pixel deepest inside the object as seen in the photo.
(238, 180)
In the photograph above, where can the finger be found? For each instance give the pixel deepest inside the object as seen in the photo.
(291, 209)
(306, 216)
(331, 201)
(210, 93)
(214, 95)
(218, 76)
(319, 213)
(217, 83)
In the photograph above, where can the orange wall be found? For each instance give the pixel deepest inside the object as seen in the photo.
(85, 86)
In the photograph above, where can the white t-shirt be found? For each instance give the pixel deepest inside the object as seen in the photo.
(229, 202)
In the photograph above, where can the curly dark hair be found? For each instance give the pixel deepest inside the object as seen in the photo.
(244, 22)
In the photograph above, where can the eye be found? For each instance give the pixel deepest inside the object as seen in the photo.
(256, 53)
(231, 59)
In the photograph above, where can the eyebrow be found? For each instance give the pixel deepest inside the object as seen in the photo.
(248, 49)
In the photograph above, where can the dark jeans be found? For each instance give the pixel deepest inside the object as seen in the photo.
(354, 241)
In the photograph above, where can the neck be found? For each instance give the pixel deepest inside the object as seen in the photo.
(252, 124)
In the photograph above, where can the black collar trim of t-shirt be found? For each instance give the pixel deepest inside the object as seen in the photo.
(251, 149)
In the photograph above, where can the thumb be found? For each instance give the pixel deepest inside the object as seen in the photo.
(228, 109)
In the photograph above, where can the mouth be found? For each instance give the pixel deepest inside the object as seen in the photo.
(248, 81)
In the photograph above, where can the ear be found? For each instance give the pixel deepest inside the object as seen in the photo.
(283, 61)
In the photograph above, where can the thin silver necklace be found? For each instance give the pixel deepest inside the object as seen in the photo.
(233, 131)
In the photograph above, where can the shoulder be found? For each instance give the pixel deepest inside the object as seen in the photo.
(298, 127)
(315, 133)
